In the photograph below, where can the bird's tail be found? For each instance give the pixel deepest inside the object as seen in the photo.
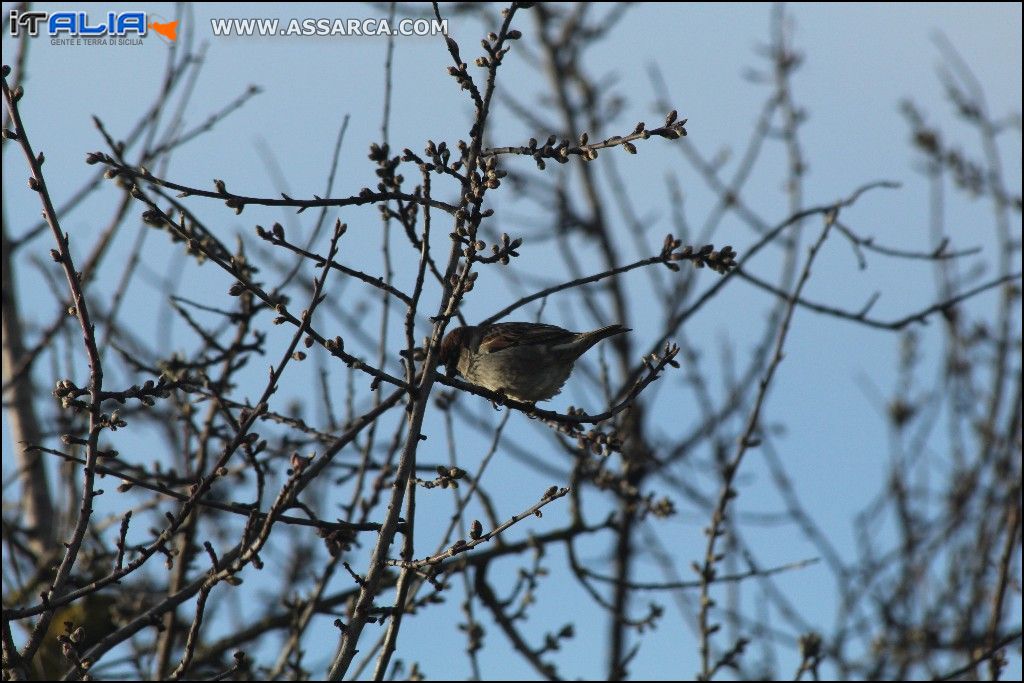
(588, 339)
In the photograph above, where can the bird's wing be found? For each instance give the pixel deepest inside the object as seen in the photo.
(506, 335)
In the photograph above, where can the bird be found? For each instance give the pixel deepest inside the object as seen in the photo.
(528, 362)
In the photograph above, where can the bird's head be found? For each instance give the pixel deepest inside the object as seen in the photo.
(451, 348)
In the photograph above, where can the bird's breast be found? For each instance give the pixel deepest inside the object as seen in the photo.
(524, 373)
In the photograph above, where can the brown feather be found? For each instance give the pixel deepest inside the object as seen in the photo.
(503, 335)
(525, 361)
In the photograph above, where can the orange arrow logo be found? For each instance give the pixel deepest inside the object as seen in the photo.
(168, 30)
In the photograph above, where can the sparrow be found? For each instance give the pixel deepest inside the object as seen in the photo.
(528, 362)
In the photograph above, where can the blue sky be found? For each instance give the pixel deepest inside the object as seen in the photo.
(860, 62)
